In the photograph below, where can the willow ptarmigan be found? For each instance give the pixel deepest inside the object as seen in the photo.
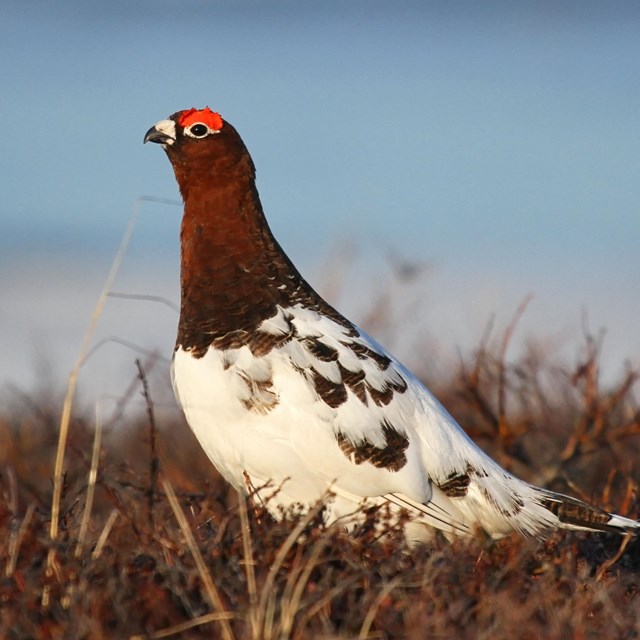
(292, 400)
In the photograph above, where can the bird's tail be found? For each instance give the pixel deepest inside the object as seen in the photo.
(513, 505)
(572, 513)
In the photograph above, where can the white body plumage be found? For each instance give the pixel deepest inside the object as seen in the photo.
(260, 419)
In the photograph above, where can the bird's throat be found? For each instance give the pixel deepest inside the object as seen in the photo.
(232, 269)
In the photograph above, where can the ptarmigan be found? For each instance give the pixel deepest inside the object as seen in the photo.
(290, 399)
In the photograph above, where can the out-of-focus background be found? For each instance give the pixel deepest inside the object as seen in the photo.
(426, 164)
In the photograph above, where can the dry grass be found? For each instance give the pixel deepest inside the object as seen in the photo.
(151, 543)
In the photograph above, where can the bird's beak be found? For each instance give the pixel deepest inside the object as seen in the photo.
(163, 132)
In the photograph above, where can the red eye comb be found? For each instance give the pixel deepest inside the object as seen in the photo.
(206, 116)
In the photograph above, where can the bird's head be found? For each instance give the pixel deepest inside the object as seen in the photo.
(203, 148)
(185, 128)
(198, 140)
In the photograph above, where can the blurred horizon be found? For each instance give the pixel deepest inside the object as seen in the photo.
(495, 146)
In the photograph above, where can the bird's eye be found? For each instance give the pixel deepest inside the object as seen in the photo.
(198, 130)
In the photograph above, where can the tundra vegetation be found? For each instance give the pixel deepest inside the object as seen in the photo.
(152, 543)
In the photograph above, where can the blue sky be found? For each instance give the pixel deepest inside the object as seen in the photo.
(497, 141)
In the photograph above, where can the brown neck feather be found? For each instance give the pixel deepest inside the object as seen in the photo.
(233, 272)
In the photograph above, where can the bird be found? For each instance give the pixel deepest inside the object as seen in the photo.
(295, 404)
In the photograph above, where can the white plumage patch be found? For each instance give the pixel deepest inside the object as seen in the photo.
(329, 409)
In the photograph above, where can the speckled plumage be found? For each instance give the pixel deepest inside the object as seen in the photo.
(284, 392)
